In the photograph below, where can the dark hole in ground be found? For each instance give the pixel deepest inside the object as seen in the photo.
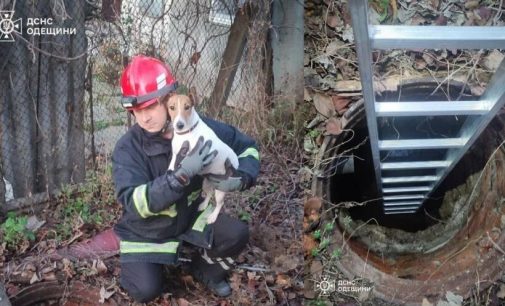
(359, 186)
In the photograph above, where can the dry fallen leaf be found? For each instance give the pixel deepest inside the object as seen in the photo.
(23, 246)
(68, 268)
(286, 263)
(333, 126)
(105, 295)
(324, 105)
(348, 85)
(309, 243)
(30, 267)
(471, 4)
(313, 216)
(34, 278)
(252, 275)
(251, 284)
(493, 60)
(428, 59)
(316, 269)
(484, 13)
(182, 302)
(235, 281)
(441, 20)
(305, 224)
(477, 90)
(283, 280)
(311, 204)
(99, 266)
(46, 270)
(340, 103)
(333, 21)
(420, 64)
(188, 280)
(347, 34)
(388, 84)
(51, 276)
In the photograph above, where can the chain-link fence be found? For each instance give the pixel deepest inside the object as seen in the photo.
(190, 36)
(59, 85)
(43, 52)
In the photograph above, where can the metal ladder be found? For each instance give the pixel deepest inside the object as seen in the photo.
(404, 193)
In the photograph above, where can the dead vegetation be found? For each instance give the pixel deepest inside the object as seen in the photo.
(269, 271)
(332, 86)
(332, 82)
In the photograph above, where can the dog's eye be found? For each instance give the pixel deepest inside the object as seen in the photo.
(186, 107)
(172, 108)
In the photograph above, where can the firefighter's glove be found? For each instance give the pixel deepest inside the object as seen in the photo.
(188, 165)
(232, 180)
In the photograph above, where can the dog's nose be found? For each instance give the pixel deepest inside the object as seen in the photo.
(179, 125)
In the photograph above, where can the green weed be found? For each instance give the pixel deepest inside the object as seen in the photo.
(14, 230)
(244, 216)
(336, 253)
(89, 204)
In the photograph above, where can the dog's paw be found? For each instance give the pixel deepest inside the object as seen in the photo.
(212, 218)
(202, 206)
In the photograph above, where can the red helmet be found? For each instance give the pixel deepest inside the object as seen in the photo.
(143, 81)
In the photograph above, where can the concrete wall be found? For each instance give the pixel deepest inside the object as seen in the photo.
(287, 48)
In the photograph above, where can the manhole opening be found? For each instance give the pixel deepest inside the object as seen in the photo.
(354, 181)
(450, 245)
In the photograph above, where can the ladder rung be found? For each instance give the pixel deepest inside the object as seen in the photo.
(406, 189)
(415, 165)
(436, 37)
(408, 179)
(399, 208)
(404, 197)
(411, 144)
(441, 108)
(405, 203)
(400, 212)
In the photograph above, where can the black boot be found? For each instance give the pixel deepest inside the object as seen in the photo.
(221, 288)
(211, 274)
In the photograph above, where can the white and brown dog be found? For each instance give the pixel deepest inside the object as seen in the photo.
(187, 126)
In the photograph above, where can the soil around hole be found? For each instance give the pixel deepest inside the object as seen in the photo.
(466, 238)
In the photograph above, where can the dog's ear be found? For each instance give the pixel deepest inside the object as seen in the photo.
(193, 96)
(167, 99)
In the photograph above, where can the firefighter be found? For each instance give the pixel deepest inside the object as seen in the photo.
(160, 207)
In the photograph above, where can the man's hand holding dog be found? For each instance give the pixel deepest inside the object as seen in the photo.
(232, 180)
(190, 164)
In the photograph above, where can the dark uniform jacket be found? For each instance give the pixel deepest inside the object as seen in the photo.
(158, 212)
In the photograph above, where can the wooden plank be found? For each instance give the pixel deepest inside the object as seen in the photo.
(231, 60)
